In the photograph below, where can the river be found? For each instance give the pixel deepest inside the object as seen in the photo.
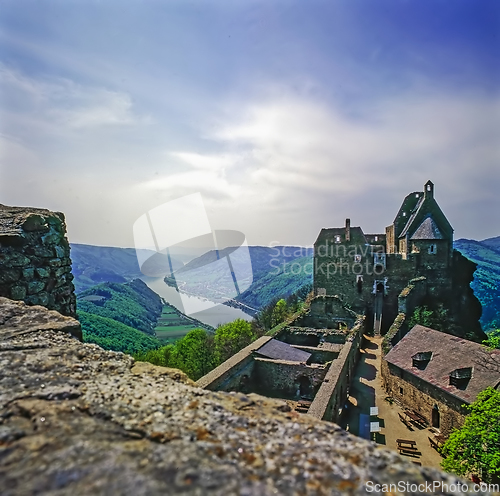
(220, 314)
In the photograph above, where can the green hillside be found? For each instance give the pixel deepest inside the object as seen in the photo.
(276, 272)
(279, 282)
(113, 335)
(132, 304)
(92, 265)
(131, 317)
(486, 284)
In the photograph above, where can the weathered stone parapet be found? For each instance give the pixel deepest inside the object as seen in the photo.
(76, 420)
(35, 264)
(17, 318)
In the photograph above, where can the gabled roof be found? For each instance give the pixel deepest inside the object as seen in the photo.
(428, 229)
(427, 207)
(357, 235)
(448, 353)
(278, 350)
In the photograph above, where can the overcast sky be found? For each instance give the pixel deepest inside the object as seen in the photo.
(287, 116)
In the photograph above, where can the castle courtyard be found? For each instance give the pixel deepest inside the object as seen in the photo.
(366, 392)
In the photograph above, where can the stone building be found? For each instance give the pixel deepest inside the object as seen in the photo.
(368, 272)
(436, 374)
(309, 363)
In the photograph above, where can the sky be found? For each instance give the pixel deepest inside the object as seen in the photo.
(287, 116)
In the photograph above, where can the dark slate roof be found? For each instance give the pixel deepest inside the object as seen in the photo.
(448, 354)
(427, 230)
(357, 235)
(278, 350)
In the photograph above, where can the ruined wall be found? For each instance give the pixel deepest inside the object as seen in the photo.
(281, 378)
(306, 336)
(320, 355)
(228, 376)
(420, 396)
(332, 395)
(35, 264)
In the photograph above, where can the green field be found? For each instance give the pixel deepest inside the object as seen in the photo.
(173, 325)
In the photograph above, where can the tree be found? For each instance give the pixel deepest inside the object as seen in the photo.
(264, 318)
(493, 340)
(280, 312)
(231, 338)
(475, 448)
(433, 318)
(193, 354)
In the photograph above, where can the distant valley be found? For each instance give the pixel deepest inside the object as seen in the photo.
(277, 272)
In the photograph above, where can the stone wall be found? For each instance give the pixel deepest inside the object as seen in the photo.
(332, 395)
(35, 264)
(228, 376)
(280, 378)
(420, 396)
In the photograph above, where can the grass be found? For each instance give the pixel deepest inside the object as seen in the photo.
(172, 326)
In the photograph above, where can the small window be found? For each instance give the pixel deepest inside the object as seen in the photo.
(404, 214)
(337, 239)
(416, 195)
(376, 238)
(359, 283)
(428, 187)
(401, 391)
(432, 249)
(460, 377)
(357, 258)
(421, 360)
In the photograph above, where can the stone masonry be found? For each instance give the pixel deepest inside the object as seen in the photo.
(35, 264)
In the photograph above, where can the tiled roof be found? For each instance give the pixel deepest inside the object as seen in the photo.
(413, 216)
(448, 354)
(277, 350)
(427, 230)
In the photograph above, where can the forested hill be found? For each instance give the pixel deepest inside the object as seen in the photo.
(486, 284)
(120, 317)
(132, 304)
(92, 265)
(277, 272)
(95, 264)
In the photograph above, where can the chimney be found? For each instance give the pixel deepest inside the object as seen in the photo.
(348, 229)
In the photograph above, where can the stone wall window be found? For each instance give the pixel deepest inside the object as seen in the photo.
(359, 283)
(401, 391)
(432, 249)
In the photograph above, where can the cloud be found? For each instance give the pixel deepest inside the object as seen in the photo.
(63, 103)
(299, 155)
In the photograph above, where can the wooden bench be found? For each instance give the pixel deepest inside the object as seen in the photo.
(405, 450)
(434, 444)
(405, 422)
(406, 441)
(421, 418)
